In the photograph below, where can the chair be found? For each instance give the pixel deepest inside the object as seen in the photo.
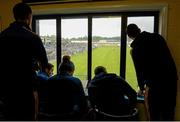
(62, 101)
(42, 116)
(97, 96)
(101, 115)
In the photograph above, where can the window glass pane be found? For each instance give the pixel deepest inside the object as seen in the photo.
(106, 43)
(74, 43)
(47, 32)
(145, 24)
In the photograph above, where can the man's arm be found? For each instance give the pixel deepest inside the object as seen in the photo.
(139, 64)
(40, 53)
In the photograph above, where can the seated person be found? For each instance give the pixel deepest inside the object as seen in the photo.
(66, 93)
(42, 80)
(107, 91)
(48, 72)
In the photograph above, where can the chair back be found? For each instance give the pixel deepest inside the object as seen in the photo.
(62, 100)
(132, 116)
(107, 105)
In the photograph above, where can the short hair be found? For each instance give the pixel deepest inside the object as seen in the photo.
(67, 64)
(132, 30)
(21, 11)
(49, 66)
(100, 69)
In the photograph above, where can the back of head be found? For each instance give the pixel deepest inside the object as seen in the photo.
(50, 66)
(49, 69)
(132, 30)
(21, 11)
(100, 69)
(67, 65)
(66, 58)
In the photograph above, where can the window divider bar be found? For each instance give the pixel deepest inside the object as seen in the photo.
(58, 42)
(156, 22)
(89, 47)
(123, 46)
(34, 25)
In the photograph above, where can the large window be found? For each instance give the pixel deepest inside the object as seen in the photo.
(92, 40)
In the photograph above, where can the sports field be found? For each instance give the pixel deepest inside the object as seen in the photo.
(108, 56)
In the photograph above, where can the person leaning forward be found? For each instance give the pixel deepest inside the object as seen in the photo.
(155, 69)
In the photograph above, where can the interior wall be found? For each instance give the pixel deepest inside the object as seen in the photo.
(173, 22)
(6, 15)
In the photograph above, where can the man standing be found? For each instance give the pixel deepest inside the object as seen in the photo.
(20, 48)
(156, 72)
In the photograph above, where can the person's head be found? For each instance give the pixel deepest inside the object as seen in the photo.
(22, 12)
(100, 69)
(67, 65)
(132, 31)
(49, 69)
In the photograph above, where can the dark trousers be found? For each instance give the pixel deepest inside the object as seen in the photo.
(161, 105)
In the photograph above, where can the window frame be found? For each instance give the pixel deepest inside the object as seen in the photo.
(89, 16)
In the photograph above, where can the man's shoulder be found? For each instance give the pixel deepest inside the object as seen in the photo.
(31, 33)
(5, 31)
(144, 34)
(105, 78)
(61, 77)
(15, 31)
(111, 75)
(151, 35)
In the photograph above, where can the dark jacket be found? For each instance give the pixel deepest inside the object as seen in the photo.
(19, 47)
(66, 94)
(42, 88)
(153, 62)
(108, 92)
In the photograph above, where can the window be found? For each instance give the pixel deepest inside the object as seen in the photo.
(106, 43)
(94, 39)
(46, 28)
(74, 43)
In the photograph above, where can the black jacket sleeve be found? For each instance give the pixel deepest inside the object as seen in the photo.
(40, 52)
(139, 64)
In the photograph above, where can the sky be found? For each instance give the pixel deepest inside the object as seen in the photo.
(106, 27)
